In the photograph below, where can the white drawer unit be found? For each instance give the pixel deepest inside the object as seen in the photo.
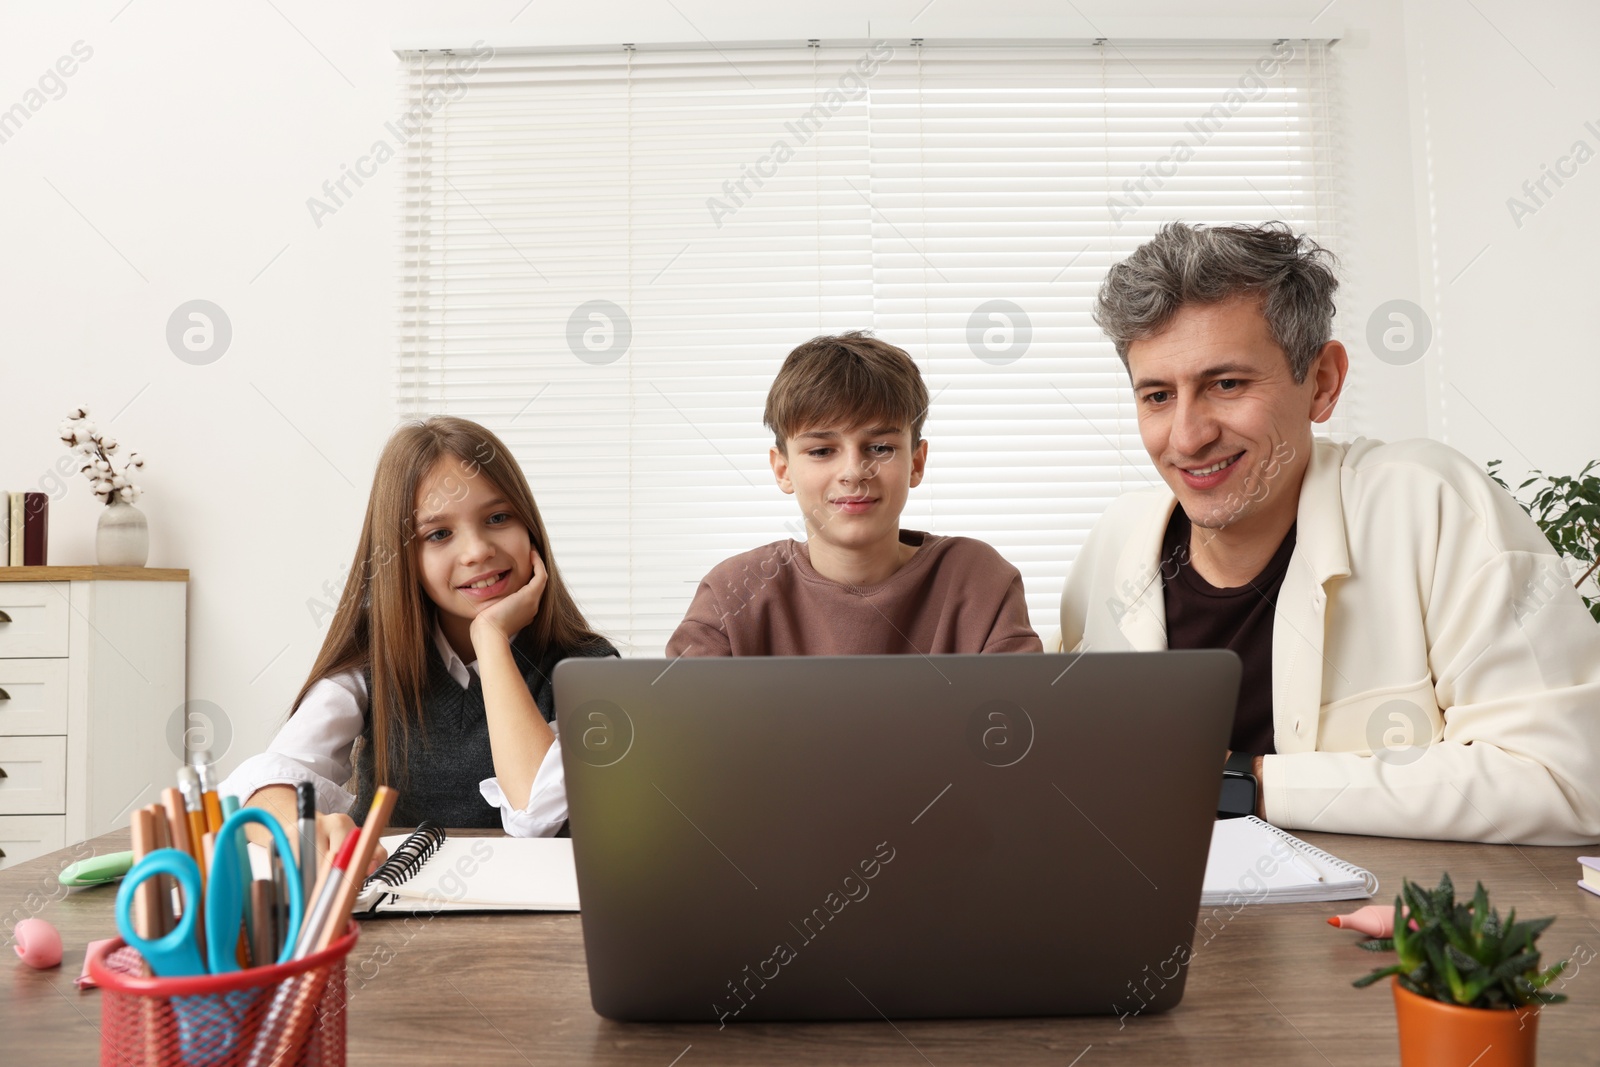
(33, 775)
(92, 671)
(22, 837)
(33, 696)
(33, 617)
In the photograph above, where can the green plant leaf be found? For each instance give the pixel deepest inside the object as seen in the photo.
(1445, 975)
(1367, 979)
(1458, 935)
(1545, 977)
(1526, 933)
(1516, 966)
(1405, 945)
(1464, 963)
(1567, 509)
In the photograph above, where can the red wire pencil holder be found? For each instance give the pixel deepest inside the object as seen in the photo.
(285, 1015)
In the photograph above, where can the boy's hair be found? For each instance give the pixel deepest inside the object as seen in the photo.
(384, 619)
(846, 377)
(1290, 274)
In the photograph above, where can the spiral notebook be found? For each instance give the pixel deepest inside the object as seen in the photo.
(426, 872)
(1253, 862)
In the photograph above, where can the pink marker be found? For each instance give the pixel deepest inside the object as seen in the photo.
(1374, 920)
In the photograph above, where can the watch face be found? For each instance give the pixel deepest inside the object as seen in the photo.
(1238, 798)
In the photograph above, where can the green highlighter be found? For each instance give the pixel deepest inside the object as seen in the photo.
(98, 870)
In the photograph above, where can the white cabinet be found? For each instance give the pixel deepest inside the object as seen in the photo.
(92, 666)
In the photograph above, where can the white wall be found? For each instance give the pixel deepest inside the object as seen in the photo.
(1495, 97)
(187, 145)
(178, 161)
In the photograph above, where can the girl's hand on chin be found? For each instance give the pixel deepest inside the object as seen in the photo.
(508, 615)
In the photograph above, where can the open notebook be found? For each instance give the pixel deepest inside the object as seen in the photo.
(427, 873)
(1253, 862)
(1250, 862)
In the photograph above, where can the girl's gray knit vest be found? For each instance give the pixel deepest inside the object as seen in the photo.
(450, 755)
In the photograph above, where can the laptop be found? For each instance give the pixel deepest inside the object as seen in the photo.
(872, 837)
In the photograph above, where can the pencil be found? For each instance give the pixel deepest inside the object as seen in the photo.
(262, 909)
(189, 786)
(211, 804)
(280, 913)
(145, 922)
(164, 884)
(177, 821)
(145, 914)
(208, 851)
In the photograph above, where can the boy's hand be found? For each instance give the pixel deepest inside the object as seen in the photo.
(507, 616)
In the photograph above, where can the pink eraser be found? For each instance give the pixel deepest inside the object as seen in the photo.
(38, 943)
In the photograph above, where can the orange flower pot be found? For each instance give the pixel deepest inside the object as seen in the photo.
(1436, 1034)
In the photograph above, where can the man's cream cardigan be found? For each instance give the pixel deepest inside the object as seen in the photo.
(1421, 605)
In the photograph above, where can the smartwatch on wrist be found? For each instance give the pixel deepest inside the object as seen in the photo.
(1239, 787)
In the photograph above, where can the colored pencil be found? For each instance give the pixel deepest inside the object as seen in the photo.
(165, 886)
(145, 902)
(262, 909)
(177, 821)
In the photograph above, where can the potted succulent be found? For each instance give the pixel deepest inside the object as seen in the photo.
(1467, 984)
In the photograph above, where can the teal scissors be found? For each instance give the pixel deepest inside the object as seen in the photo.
(208, 1024)
(177, 954)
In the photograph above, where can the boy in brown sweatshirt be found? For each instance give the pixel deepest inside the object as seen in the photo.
(847, 414)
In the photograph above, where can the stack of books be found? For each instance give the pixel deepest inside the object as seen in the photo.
(24, 529)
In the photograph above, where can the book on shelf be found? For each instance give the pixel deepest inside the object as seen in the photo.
(35, 529)
(14, 508)
(24, 529)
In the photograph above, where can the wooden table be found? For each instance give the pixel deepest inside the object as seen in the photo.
(1270, 986)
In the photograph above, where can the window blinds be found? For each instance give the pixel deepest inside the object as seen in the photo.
(605, 257)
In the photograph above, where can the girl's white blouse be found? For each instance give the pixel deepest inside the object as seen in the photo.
(314, 746)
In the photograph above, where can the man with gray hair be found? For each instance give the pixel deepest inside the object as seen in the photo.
(1416, 661)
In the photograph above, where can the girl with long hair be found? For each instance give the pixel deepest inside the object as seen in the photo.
(435, 674)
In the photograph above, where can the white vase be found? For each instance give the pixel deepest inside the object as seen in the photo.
(123, 537)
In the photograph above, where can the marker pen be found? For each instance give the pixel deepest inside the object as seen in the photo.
(306, 795)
